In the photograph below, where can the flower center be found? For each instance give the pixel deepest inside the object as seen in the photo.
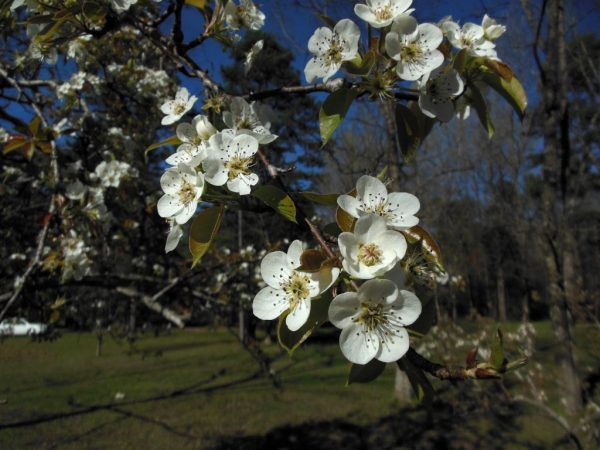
(384, 13)
(179, 108)
(369, 254)
(238, 166)
(334, 54)
(297, 288)
(371, 315)
(187, 193)
(411, 52)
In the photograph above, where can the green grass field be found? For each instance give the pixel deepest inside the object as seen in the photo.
(200, 389)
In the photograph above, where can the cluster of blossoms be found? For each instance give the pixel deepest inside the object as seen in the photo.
(372, 318)
(110, 174)
(76, 262)
(208, 156)
(413, 47)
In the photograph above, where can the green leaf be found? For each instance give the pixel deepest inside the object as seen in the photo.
(365, 373)
(173, 140)
(419, 382)
(497, 359)
(291, 340)
(203, 231)
(480, 105)
(381, 175)
(361, 66)
(321, 199)
(278, 200)
(412, 127)
(14, 143)
(200, 4)
(511, 89)
(431, 249)
(334, 110)
(344, 220)
(34, 125)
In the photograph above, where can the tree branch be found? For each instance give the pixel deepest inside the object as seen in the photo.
(450, 373)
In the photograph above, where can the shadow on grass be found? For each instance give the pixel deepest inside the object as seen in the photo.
(411, 428)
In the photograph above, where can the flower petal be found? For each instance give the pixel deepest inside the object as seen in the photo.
(357, 345)
(394, 347)
(168, 206)
(319, 42)
(410, 307)
(186, 132)
(371, 191)
(275, 269)
(349, 204)
(380, 291)
(269, 303)
(244, 145)
(298, 316)
(294, 252)
(343, 308)
(171, 182)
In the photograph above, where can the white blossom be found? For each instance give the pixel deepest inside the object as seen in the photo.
(175, 109)
(381, 13)
(371, 249)
(246, 14)
(122, 5)
(438, 91)
(76, 190)
(250, 118)
(397, 208)
(230, 160)
(183, 187)
(491, 29)
(251, 55)
(77, 47)
(289, 290)
(111, 173)
(194, 137)
(76, 263)
(330, 49)
(174, 236)
(373, 321)
(414, 47)
(471, 37)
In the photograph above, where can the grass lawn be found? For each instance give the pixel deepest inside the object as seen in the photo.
(199, 389)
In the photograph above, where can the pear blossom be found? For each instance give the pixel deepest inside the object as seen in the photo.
(330, 49)
(414, 47)
(76, 190)
(250, 118)
(438, 91)
(289, 290)
(76, 263)
(230, 160)
(491, 29)
(111, 173)
(373, 321)
(397, 208)
(183, 187)
(194, 137)
(471, 37)
(371, 249)
(246, 14)
(380, 13)
(251, 55)
(174, 236)
(175, 109)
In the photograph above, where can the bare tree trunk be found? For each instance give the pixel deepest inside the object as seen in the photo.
(501, 287)
(132, 319)
(241, 312)
(556, 232)
(403, 391)
(99, 341)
